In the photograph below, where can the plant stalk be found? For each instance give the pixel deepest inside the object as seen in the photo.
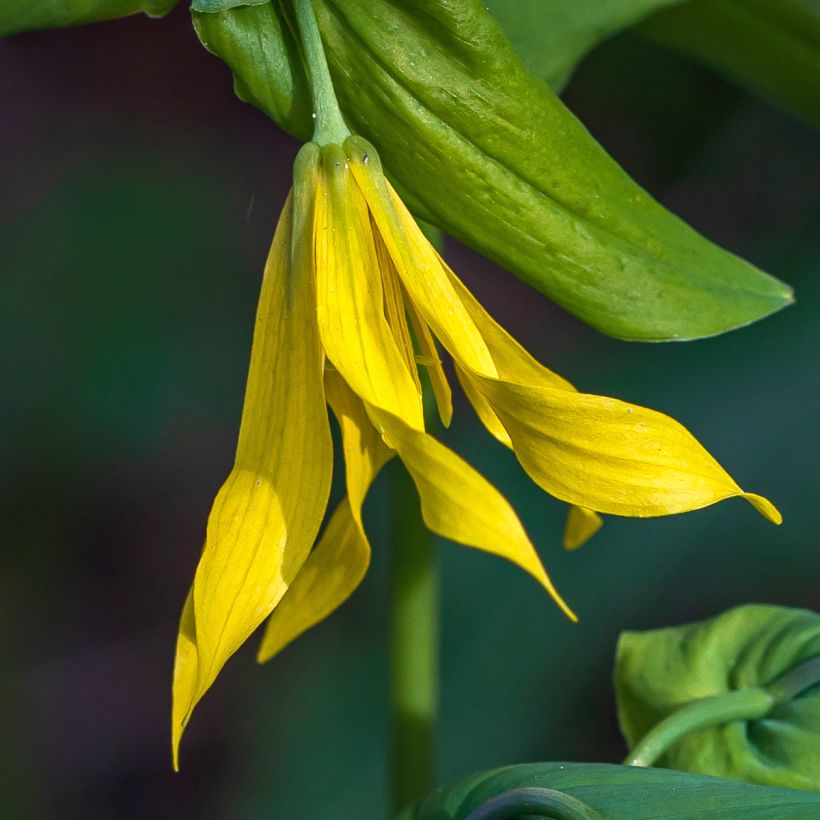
(745, 704)
(414, 587)
(414, 631)
(329, 124)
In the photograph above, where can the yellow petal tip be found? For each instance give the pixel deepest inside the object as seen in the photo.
(175, 752)
(556, 596)
(764, 507)
(581, 525)
(263, 655)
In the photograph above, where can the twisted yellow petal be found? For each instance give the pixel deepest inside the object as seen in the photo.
(417, 263)
(267, 514)
(186, 664)
(350, 299)
(460, 504)
(339, 561)
(591, 451)
(608, 455)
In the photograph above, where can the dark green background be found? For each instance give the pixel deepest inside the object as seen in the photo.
(137, 202)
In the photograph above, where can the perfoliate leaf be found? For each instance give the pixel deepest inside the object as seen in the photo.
(770, 48)
(553, 36)
(482, 148)
(589, 791)
(660, 671)
(27, 15)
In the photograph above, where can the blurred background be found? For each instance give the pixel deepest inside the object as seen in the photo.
(137, 203)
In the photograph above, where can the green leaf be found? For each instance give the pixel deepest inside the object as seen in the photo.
(741, 651)
(211, 6)
(483, 149)
(770, 48)
(595, 790)
(27, 15)
(553, 36)
(257, 43)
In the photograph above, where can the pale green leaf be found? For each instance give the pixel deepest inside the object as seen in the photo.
(662, 670)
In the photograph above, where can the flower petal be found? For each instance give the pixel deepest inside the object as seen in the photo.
(394, 308)
(266, 516)
(438, 380)
(350, 302)
(581, 525)
(512, 361)
(482, 408)
(608, 455)
(326, 580)
(365, 452)
(460, 504)
(339, 561)
(186, 664)
(417, 262)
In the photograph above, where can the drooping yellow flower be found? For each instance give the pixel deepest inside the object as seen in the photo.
(353, 300)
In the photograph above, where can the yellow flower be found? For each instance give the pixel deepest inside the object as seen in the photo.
(353, 299)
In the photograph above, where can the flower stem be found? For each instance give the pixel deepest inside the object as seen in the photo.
(414, 632)
(329, 125)
(413, 647)
(796, 681)
(744, 704)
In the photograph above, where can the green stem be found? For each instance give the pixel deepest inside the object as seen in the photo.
(414, 624)
(413, 646)
(330, 126)
(795, 682)
(745, 704)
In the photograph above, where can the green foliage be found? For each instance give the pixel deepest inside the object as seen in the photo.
(211, 6)
(26, 15)
(262, 51)
(745, 649)
(483, 149)
(584, 791)
(553, 36)
(772, 49)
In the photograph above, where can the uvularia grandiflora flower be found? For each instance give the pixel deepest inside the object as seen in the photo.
(354, 299)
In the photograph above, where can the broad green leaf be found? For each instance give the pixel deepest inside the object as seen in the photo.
(27, 15)
(770, 48)
(211, 6)
(553, 36)
(749, 647)
(482, 148)
(584, 791)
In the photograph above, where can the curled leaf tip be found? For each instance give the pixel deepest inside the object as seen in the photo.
(764, 507)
